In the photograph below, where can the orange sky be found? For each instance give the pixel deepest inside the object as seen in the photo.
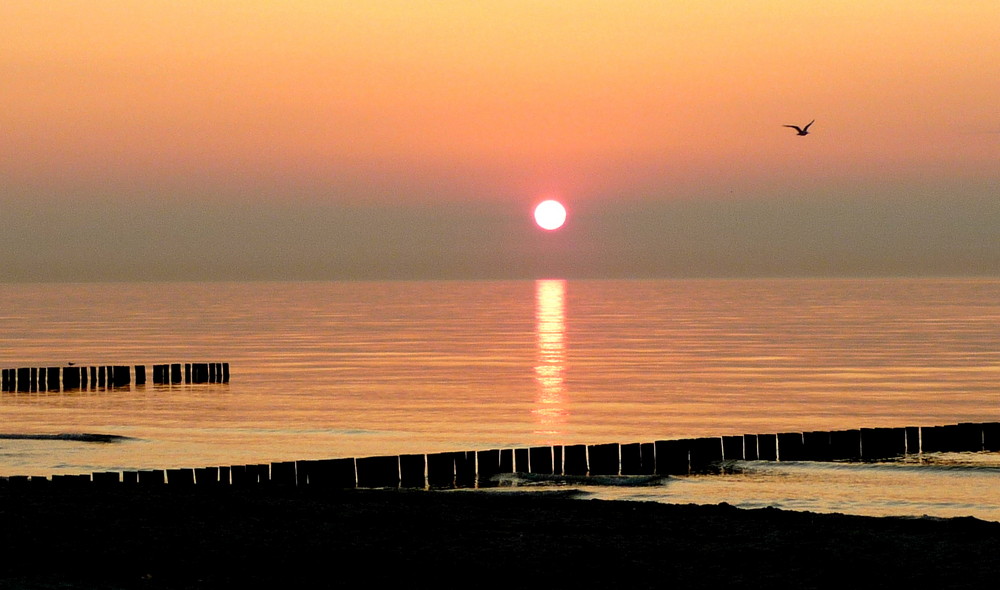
(501, 101)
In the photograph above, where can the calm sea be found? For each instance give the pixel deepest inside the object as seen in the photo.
(342, 369)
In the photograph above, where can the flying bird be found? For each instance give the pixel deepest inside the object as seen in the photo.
(801, 130)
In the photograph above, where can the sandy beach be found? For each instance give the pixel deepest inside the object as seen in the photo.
(159, 538)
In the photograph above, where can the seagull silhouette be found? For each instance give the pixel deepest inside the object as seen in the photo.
(801, 130)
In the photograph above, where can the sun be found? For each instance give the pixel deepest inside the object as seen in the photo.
(550, 215)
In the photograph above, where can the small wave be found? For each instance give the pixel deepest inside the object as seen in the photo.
(516, 479)
(970, 463)
(69, 436)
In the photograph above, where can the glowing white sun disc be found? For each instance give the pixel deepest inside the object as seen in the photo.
(550, 215)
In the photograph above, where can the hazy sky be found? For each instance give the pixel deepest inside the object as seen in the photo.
(294, 139)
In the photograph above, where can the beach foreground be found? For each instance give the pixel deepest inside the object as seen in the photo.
(169, 538)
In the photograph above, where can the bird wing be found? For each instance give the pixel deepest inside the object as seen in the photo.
(795, 127)
(806, 128)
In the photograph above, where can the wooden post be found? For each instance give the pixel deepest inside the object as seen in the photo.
(575, 460)
(175, 373)
(303, 469)
(5, 384)
(671, 457)
(705, 452)
(413, 471)
(441, 470)
(206, 476)
(845, 445)
(767, 447)
(604, 459)
(465, 469)
(522, 462)
(203, 372)
(225, 475)
(71, 378)
(24, 379)
(187, 372)
(506, 460)
(882, 443)
(487, 465)
(240, 477)
(540, 460)
(732, 448)
(378, 472)
(140, 374)
(329, 473)
(631, 459)
(52, 378)
(225, 372)
(912, 440)
(970, 437)
(790, 446)
(951, 438)
(262, 472)
(101, 376)
(93, 377)
(648, 458)
(283, 473)
(123, 376)
(151, 477)
(816, 446)
(750, 447)
(70, 481)
(180, 477)
(991, 436)
(33, 379)
(106, 478)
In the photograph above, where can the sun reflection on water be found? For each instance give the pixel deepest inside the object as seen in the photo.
(550, 331)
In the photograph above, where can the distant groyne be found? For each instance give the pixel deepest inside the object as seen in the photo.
(70, 378)
(478, 468)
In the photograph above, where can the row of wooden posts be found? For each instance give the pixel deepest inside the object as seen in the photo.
(34, 379)
(478, 468)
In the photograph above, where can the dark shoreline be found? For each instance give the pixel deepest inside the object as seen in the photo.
(170, 538)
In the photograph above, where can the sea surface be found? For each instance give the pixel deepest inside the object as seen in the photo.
(353, 369)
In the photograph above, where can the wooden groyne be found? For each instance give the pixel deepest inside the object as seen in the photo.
(70, 378)
(477, 468)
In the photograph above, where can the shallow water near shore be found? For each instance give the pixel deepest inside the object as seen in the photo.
(940, 485)
(323, 370)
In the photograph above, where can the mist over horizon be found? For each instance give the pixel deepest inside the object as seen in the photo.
(213, 241)
(149, 140)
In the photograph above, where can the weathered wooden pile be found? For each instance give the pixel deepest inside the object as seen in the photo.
(477, 468)
(70, 378)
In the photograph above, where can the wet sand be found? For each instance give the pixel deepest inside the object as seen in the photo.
(187, 538)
